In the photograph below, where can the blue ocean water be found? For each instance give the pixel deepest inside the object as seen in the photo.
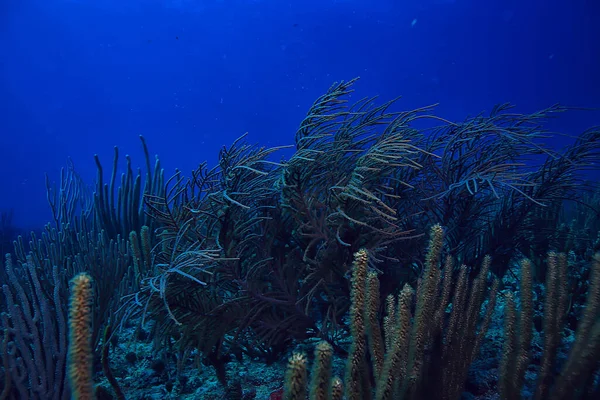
(79, 77)
(223, 288)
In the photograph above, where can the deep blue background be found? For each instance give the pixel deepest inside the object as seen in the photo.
(78, 77)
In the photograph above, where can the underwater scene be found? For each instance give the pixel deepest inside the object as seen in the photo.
(292, 200)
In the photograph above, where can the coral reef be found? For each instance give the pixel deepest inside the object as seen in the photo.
(205, 285)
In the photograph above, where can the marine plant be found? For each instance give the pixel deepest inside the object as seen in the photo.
(86, 236)
(254, 253)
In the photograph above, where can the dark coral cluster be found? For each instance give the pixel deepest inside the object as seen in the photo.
(253, 256)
